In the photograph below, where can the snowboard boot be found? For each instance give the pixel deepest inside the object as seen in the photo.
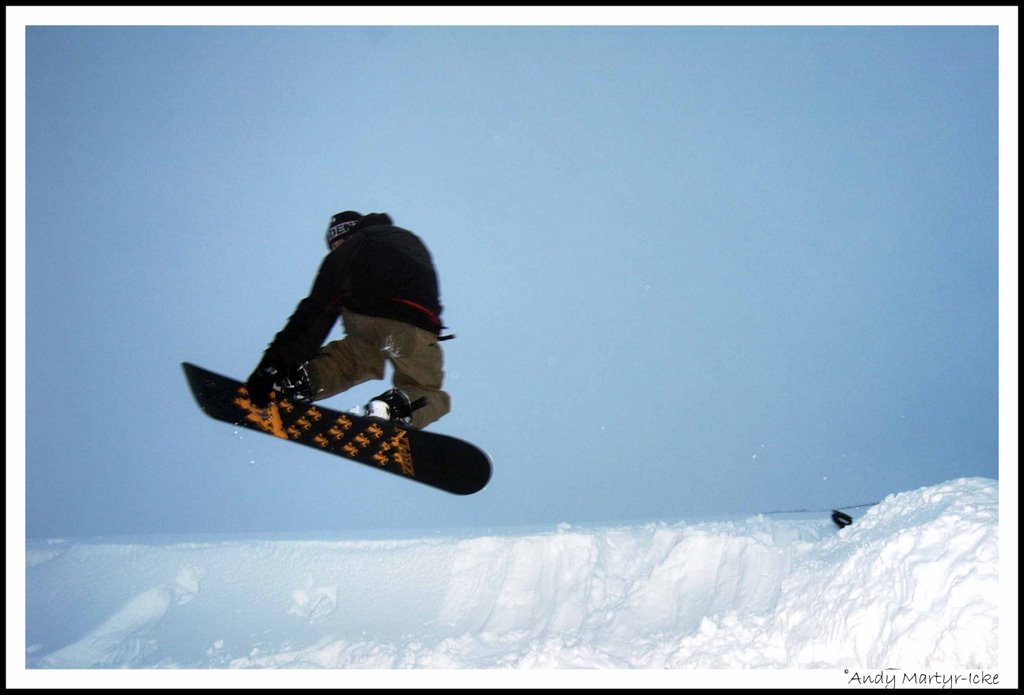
(297, 386)
(394, 405)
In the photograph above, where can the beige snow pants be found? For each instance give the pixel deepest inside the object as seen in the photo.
(360, 356)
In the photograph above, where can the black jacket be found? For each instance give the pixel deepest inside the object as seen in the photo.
(380, 270)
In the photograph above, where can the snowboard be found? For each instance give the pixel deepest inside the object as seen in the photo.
(437, 460)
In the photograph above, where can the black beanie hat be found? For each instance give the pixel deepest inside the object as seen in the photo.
(341, 224)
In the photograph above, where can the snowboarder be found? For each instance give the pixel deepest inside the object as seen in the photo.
(380, 280)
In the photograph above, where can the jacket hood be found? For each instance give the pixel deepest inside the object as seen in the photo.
(374, 219)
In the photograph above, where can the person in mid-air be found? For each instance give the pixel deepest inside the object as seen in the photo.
(380, 280)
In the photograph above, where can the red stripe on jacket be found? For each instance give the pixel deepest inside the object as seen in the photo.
(420, 308)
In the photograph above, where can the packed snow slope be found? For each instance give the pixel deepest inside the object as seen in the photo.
(912, 584)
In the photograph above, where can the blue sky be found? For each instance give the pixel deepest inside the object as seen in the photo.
(692, 270)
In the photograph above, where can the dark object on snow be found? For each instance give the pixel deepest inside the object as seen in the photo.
(842, 520)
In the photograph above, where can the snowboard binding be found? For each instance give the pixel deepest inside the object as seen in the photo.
(394, 405)
(296, 386)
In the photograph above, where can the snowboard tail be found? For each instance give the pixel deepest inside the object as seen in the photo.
(437, 460)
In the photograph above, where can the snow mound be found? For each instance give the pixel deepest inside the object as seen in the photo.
(912, 584)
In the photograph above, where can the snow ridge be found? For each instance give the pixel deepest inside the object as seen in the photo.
(912, 584)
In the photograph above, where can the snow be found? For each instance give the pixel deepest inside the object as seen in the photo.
(910, 587)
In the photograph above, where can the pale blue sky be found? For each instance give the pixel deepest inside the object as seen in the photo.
(692, 270)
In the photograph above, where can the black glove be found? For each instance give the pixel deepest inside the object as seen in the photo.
(260, 384)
